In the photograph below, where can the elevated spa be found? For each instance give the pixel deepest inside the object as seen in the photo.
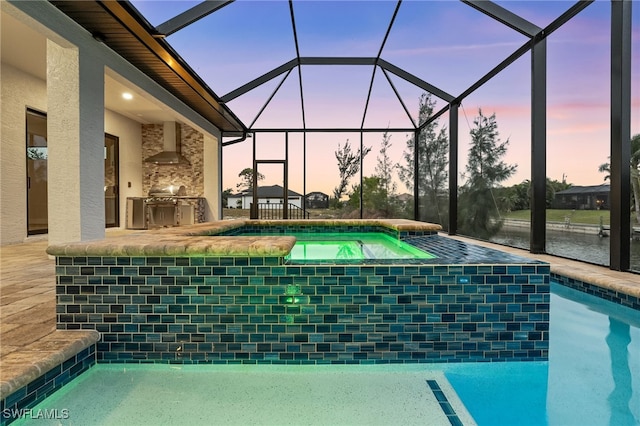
(208, 294)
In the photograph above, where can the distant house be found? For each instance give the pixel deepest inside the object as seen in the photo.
(594, 197)
(317, 200)
(273, 194)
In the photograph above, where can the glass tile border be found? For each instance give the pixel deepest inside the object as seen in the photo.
(162, 304)
(22, 400)
(616, 297)
(446, 407)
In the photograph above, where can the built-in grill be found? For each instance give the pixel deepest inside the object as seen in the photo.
(162, 207)
(165, 207)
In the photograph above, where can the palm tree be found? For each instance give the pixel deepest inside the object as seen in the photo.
(634, 165)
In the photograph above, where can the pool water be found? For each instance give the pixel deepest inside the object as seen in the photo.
(352, 246)
(592, 378)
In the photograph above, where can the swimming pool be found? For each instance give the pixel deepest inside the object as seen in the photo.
(210, 294)
(592, 378)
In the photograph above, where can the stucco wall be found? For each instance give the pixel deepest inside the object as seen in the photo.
(21, 91)
(82, 209)
(18, 91)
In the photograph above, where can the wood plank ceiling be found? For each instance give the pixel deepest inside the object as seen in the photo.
(125, 31)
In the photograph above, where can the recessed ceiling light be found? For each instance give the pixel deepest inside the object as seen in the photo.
(128, 96)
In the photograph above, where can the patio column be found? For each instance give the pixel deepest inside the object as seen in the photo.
(213, 177)
(75, 137)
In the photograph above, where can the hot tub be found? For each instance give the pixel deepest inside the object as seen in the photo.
(208, 294)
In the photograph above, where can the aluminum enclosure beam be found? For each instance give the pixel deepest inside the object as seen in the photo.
(537, 231)
(404, 106)
(504, 16)
(620, 134)
(337, 60)
(270, 98)
(372, 61)
(453, 169)
(260, 80)
(415, 80)
(335, 130)
(190, 16)
(295, 39)
(373, 73)
(564, 18)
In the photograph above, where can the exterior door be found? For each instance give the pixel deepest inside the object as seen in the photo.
(37, 218)
(111, 182)
(37, 204)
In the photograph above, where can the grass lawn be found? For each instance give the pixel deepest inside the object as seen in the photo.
(590, 217)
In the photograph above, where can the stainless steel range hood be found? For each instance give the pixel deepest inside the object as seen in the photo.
(172, 141)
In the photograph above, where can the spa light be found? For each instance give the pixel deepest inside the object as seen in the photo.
(128, 96)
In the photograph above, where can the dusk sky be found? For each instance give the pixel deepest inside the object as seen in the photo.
(446, 43)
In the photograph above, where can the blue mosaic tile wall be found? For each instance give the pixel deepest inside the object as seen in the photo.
(258, 310)
(17, 405)
(601, 292)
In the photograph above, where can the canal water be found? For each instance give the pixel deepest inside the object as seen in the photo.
(574, 245)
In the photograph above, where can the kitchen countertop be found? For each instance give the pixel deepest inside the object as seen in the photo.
(197, 239)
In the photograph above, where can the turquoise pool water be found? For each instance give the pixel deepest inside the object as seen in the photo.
(592, 378)
(327, 246)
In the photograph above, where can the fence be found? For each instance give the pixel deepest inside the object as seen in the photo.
(270, 211)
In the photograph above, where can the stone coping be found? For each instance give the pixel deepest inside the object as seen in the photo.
(198, 240)
(601, 276)
(603, 280)
(21, 367)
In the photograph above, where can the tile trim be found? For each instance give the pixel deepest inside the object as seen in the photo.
(22, 400)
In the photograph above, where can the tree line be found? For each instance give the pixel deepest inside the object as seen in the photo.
(484, 172)
(481, 197)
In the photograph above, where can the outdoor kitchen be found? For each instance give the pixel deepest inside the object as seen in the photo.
(173, 178)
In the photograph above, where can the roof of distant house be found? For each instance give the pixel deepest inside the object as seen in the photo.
(605, 188)
(271, 191)
(310, 194)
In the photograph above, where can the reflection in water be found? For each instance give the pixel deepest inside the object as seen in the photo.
(569, 244)
(618, 339)
(349, 250)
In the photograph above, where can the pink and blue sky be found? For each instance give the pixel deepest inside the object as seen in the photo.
(446, 43)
